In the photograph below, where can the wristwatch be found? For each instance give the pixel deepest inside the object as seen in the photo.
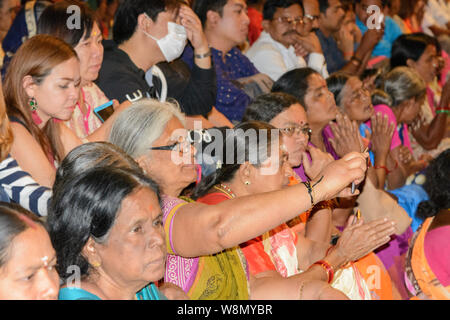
(202, 56)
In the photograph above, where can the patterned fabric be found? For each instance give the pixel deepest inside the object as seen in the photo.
(21, 188)
(85, 124)
(221, 276)
(231, 98)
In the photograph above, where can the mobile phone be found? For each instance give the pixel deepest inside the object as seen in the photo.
(104, 111)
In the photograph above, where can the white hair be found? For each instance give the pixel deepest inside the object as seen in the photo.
(137, 127)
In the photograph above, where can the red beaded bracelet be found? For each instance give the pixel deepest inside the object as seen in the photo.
(328, 268)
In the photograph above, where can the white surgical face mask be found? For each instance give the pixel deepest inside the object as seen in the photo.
(172, 45)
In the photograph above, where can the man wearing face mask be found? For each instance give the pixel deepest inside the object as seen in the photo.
(145, 33)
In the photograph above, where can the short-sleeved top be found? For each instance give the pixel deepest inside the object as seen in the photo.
(333, 55)
(231, 99)
(179, 270)
(391, 32)
(119, 78)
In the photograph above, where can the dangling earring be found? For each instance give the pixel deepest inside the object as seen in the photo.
(33, 104)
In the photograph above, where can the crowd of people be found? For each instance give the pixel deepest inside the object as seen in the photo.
(259, 149)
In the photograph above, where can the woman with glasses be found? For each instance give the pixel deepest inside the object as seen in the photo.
(312, 92)
(202, 240)
(354, 101)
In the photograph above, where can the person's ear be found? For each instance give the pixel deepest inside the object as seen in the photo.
(212, 18)
(29, 86)
(143, 163)
(90, 253)
(410, 63)
(246, 171)
(266, 25)
(144, 22)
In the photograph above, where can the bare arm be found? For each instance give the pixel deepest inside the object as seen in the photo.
(30, 156)
(201, 229)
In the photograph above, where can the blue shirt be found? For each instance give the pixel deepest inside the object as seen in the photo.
(231, 99)
(333, 55)
(73, 293)
(391, 32)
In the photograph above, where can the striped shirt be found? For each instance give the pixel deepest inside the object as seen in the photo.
(22, 189)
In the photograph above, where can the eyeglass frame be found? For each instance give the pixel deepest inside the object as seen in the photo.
(310, 17)
(306, 130)
(171, 147)
(287, 20)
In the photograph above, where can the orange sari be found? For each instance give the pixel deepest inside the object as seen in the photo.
(420, 278)
(370, 267)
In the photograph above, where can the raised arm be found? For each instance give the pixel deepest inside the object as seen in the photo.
(201, 229)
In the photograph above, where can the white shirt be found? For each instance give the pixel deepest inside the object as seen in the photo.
(274, 59)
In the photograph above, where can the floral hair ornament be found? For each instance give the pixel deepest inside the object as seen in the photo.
(218, 165)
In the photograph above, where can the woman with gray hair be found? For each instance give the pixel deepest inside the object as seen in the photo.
(203, 233)
(400, 97)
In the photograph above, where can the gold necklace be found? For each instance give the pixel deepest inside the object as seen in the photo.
(225, 189)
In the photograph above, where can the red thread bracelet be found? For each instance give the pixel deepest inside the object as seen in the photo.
(386, 169)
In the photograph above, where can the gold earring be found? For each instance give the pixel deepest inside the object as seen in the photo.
(96, 264)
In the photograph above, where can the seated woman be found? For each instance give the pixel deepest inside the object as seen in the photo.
(236, 180)
(41, 88)
(87, 43)
(311, 90)
(427, 262)
(284, 112)
(400, 97)
(208, 236)
(16, 184)
(428, 132)
(114, 238)
(28, 260)
(354, 101)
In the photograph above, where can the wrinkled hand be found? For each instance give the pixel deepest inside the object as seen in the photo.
(319, 160)
(194, 30)
(404, 155)
(338, 175)
(359, 239)
(346, 136)
(382, 131)
(172, 291)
